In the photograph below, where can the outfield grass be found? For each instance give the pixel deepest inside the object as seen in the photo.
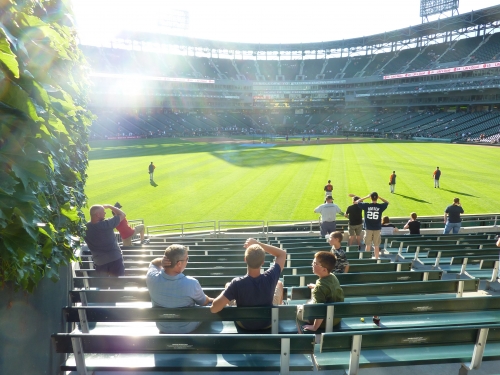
(201, 181)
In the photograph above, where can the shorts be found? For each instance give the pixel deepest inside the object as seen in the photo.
(372, 236)
(111, 269)
(137, 229)
(355, 230)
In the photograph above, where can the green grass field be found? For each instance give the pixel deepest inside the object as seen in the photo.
(204, 181)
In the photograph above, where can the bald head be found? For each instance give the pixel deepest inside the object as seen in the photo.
(97, 213)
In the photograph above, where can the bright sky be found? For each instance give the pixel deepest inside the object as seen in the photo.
(255, 21)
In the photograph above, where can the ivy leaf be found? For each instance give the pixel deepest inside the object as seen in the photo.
(69, 212)
(28, 171)
(7, 183)
(57, 124)
(17, 241)
(41, 95)
(47, 248)
(7, 57)
(16, 97)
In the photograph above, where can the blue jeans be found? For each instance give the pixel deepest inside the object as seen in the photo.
(449, 226)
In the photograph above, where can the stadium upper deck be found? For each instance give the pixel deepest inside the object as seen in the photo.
(448, 65)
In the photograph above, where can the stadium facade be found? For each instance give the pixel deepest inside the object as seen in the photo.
(439, 79)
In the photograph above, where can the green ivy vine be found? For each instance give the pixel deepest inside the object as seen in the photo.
(43, 140)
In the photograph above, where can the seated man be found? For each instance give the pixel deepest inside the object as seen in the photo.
(127, 232)
(169, 287)
(255, 289)
(327, 288)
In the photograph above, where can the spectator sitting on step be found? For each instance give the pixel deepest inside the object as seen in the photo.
(127, 232)
(327, 288)
(413, 224)
(255, 289)
(387, 227)
(335, 241)
(169, 287)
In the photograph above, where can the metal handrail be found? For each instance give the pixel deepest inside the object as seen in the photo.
(181, 227)
(261, 223)
(271, 223)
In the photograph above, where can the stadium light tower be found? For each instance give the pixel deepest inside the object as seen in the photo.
(432, 7)
(174, 20)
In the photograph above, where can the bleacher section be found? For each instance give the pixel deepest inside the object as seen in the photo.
(438, 288)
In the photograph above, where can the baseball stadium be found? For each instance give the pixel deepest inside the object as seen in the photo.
(176, 204)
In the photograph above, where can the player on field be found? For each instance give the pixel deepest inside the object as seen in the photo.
(151, 171)
(392, 181)
(328, 189)
(436, 175)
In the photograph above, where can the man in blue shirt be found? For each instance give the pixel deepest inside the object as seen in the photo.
(169, 287)
(373, 220)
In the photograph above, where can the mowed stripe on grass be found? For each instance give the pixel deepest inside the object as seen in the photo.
(202, 181)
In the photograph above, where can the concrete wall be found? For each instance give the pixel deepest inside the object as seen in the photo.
(26, 323)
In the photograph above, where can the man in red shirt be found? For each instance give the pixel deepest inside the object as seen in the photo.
(127, 232)
(328, 189)
(392, 181)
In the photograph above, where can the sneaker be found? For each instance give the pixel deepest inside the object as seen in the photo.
(145, 242)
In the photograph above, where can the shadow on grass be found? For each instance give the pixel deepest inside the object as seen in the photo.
(262, 157)
(151, 147)
(412, 198)
(460, 193)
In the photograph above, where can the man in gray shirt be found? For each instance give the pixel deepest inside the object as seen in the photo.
(328, 211)
(169, 287)
(101, 240)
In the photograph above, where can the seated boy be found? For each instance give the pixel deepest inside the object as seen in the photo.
(327, 288)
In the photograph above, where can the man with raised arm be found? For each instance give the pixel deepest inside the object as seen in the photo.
(255, 289)
(329, 212)
(355, 216)
(169, 287)
(452, 219)
(101, 240)
(373, 220)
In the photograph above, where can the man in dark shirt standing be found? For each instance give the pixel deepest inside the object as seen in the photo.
(373, 220)
(151, 169)
(101, 240)
(452, 218)
(436, 175)
(355, 215)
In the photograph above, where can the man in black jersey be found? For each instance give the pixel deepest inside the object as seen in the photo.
(355, 215)
(373, 220)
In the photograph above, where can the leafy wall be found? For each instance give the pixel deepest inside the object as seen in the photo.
(43, 140)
